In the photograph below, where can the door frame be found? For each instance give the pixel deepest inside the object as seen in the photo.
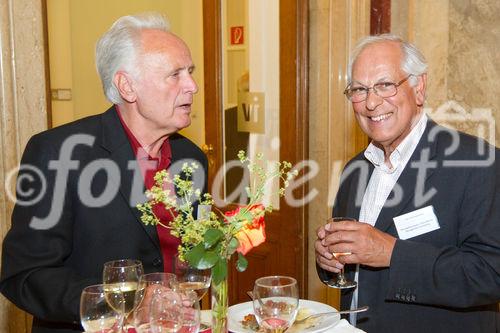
(293, 102)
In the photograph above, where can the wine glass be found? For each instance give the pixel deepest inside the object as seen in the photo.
(96, 313)
(175, 311)
(275, 302)
(149, 285)
(122, 277)
(340, 282)
(190, 278)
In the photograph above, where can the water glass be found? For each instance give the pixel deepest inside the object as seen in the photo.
(275, 302)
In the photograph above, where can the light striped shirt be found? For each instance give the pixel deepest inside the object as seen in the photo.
(382, 182)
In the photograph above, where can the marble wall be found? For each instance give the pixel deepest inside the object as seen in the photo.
(461, 41)
(23, 111)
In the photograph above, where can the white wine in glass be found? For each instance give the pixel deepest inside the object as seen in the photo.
(96, 313)
(190, 278)
(340, 282)
(122, 277)
(275, 302)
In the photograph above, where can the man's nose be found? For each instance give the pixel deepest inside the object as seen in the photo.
(191, 85)
(373, 100)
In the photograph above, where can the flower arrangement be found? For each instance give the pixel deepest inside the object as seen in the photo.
(209, 241)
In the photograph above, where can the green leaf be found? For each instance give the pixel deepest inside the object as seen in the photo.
(208, 260)
(219, 271)
(200, 258)
(241, 263)
(232, 246)
(211, 237)
(195, 255)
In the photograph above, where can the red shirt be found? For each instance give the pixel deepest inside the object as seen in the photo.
(149, 166)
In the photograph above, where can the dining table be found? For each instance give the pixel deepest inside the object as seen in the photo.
(342, 326)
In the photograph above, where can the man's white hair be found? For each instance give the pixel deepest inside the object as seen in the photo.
(118, 48)
(413, 60)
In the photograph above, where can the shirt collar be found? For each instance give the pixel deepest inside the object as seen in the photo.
(402, 152)
(139, 151)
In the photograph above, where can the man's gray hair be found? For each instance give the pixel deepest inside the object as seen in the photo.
(118, 48)
(413, 60)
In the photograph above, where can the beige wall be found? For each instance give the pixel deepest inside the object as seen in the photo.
(22, 111)
(75, 26)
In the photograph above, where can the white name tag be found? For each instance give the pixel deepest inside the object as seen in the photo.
(416, 223)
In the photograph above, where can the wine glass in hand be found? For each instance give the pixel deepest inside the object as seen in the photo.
(165, 315)
(96, 313)
(190, 278)
(340, 282)
(149, 285)
(275, 302)
(122, 277)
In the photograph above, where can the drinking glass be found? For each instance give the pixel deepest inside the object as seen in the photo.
(122, 277)
(149, 285)
(190, 278)
(175, 311)
(275, 302)
(96, 313)
(340, 282)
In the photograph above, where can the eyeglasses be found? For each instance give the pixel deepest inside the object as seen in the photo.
(382, 89)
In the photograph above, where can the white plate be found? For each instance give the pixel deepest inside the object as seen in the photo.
(238, 311)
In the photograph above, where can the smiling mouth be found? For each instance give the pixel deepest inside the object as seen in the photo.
(381, 117)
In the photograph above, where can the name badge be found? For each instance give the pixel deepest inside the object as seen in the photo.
(416, 223)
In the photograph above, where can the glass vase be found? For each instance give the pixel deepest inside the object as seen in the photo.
(219, 306)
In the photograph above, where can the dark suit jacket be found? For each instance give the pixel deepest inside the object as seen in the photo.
(447, 280)
(44, 270)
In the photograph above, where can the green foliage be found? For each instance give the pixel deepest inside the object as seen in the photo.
(210, 241)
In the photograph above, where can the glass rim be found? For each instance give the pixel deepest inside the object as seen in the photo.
(341, 218)
(291, 280)
(130, 262)
(89, 289)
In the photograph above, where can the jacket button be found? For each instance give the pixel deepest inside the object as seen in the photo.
(157, 262)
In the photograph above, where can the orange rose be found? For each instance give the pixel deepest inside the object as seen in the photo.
(251, 235)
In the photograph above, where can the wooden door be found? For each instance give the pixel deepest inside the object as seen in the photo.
(285, 250)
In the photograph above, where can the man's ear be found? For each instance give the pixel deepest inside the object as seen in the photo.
(124, 83)
(420, 89)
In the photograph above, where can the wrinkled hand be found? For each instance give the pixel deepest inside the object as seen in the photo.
(367, 245)
(324, 256)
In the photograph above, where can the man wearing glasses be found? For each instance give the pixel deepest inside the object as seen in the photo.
(425, 249)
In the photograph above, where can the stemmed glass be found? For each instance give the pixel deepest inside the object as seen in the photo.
(175, 312)
(122, 277)
(275, 302)
(149, 285)
(96, 313)
(340, 282)
(190, 278)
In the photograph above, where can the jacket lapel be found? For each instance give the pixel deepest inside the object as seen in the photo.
(410, 179)
(131, 184)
